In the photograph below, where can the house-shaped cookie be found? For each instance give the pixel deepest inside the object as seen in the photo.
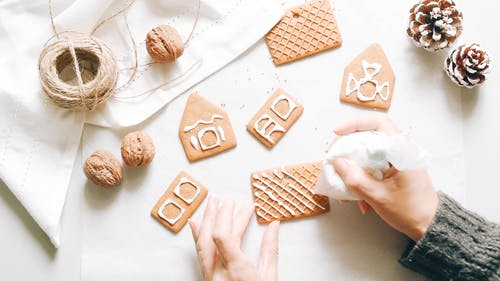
(205, 129)
(369, 80)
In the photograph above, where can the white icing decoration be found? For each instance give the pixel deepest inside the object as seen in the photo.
(303, 194)
(291, 106)
(177, 190)
(296, 179)
(270, 122)
(274, 198)
(194, 142)
(277, 174)
(303, 185)
(208, 122)
(203, 132)
(266, 210)
(287, 190)
(197, 141)
(259, 214)
(368, 78)
(269, 193)
(171, 221)
(221, 132)
(270, 204)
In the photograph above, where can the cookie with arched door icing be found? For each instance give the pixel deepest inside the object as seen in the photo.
(205, 129)
(275, 118)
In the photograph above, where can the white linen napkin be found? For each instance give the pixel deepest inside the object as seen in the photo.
(39, 141)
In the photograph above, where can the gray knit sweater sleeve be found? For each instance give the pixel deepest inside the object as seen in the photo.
(459, 245)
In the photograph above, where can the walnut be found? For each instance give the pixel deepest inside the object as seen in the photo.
(164, 43)
(103, 169)
(137, 149)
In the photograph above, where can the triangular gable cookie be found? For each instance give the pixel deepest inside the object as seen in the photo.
(369, 80)
(303, 31)
(205, 129)
(288, 193)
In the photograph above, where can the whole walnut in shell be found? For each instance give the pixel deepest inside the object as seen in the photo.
(137, 149)
(103, 169)
(164, 44)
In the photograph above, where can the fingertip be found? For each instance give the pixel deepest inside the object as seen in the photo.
(341, 165)
(269, 252)
(363, 207)
(193, 225)
(275, 223)
(274, 227)
(341, 130)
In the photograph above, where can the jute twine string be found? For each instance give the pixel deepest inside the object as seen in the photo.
(93, 64)
(70, 48)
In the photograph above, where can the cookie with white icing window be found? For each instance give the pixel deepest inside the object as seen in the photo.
(205, 129)
(369, 80)
(178, 203)
(275, 118)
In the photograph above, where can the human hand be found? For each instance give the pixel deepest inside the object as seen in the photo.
(406, 200)
(218, 239)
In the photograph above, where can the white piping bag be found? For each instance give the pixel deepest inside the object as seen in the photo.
(372, 151)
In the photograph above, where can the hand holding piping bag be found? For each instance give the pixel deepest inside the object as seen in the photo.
(406, 200)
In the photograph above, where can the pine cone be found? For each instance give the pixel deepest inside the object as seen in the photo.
(434, 24)
(467, 65)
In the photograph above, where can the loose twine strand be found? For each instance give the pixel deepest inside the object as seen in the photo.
(88, 93)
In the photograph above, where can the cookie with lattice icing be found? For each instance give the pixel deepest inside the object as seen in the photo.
(178, 203)
(369, 80)
(303, 31)
(288, 193)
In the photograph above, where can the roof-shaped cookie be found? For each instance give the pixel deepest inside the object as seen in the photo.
(205, 129)
(369, 80)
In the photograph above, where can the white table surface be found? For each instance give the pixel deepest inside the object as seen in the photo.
(26, 253)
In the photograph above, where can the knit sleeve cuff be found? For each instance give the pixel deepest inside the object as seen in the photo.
(457, 245)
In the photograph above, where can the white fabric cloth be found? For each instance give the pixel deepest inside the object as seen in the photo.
(372, 151)
(39, 141)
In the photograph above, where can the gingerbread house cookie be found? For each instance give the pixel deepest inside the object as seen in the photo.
(275, 117)
(181, 199)
(205, 129)
(303, 31)
(288, 193)
(369, 80)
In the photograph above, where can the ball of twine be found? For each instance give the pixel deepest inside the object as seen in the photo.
(77, 71)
